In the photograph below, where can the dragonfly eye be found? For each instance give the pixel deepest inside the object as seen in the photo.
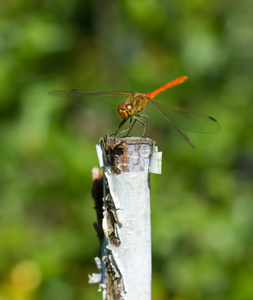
(129, 109)
(122, 111)
(129, 106)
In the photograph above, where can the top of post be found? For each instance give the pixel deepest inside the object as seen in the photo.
(129, 154)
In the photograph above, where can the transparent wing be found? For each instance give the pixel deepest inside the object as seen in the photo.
(85, 94)
(106, 102)
(186, 119)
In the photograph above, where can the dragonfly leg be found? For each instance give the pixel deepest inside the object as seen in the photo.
(147, 118)
(144, 125)
(130, 128)
(120, 125)
(131, 125)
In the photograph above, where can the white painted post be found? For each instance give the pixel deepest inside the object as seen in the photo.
(125, 265)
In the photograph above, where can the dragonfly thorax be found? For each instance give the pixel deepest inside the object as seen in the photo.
(138, 101)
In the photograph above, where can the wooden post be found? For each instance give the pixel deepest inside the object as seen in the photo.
(125, 252)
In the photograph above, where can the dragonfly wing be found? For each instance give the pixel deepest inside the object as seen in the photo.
(85, 94)
(184, 136)
(99, 101)
(185, 119)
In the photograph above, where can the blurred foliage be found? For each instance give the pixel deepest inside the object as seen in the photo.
(201, 204)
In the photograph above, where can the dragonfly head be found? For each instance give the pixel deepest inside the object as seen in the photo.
(126, 110)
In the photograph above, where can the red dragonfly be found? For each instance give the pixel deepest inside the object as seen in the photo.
(179, 118)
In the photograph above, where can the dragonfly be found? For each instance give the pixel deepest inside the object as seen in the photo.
(181, 119)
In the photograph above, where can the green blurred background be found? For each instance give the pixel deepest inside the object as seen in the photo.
(202, 203)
